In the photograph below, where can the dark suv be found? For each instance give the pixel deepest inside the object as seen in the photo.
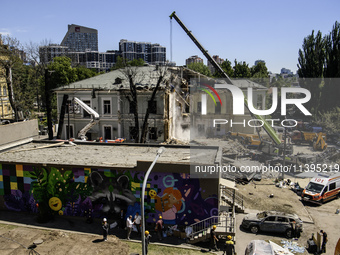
(273, 221)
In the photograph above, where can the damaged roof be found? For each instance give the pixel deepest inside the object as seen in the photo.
(100, 155)
(146, 77)
(118, 79)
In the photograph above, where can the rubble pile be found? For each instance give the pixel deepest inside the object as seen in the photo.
(175, 141)
(233, 149)
(332, 154)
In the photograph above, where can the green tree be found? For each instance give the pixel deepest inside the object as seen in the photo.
(311, 65)
(9, 61)
(134, 75)
(122, 63)
(227, 68)
(259, 71)
(241, 70)
(200, 68)
(62, 72)
(331, 89)
(84, 73)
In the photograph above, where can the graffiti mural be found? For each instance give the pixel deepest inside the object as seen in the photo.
(107, 193)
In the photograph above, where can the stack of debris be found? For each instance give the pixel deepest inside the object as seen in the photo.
(175, 141)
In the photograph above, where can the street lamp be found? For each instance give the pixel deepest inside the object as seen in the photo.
(159, 152)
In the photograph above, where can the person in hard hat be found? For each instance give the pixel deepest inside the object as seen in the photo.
(213, 239)
(229, 247)
(105, 229)
(159, 228)
(147, 240)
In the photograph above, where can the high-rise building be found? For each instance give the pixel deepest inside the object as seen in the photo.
(81, 39)
(151, 53)
(49, 52)
(193, 59)
(218, 61)
(285, 71)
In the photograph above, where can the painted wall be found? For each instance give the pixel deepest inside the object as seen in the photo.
(90, 192)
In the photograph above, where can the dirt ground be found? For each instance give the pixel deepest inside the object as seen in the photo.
(14, 240)
(257, 198)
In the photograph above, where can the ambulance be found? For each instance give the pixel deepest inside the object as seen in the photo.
(322, 188)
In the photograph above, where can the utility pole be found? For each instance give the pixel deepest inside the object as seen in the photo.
(48, 103)
(284, 154)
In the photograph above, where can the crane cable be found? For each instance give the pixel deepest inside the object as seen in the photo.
(170, 40)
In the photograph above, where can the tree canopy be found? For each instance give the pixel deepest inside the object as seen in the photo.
(200, 68)
(320, 58)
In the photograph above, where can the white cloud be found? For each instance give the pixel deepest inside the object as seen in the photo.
(21, 30)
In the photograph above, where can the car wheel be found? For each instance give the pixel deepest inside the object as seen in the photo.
(289, 233)
(254, 229)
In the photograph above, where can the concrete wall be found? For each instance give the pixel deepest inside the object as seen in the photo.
(18, 131)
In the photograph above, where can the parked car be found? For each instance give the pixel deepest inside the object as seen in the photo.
(273, 221)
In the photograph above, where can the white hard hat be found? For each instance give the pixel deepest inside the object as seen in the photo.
(104, 219)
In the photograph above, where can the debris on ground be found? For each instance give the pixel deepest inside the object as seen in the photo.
(292, 246)
(175, 141)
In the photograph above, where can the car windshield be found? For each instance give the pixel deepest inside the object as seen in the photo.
(314, 187)
(261, 215)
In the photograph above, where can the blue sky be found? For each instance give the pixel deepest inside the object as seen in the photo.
(244, 30)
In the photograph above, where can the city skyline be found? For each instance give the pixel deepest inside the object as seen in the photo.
(245, 31)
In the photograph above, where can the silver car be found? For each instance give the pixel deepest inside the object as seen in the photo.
(273, 221)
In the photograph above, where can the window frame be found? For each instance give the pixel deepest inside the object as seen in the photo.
(104, 106)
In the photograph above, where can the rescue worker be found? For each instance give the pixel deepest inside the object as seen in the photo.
(229, 248)
(324, 241)
(213, 239)
(105, 229)
(147, 240)
(159, 228)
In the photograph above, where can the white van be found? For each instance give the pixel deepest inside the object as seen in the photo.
(322, 188)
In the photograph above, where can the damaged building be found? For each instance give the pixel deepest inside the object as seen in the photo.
(172, 112)
(101, 179)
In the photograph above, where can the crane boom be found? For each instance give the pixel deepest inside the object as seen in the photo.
(94, 116)
(269, 130)
(202, 49)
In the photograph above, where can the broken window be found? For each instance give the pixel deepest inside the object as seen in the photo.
(70, 107)
(85, 113)
(69, 131)
(199, 107)
(107, 107)
(132, 107)
(133, 132)
(259, 102)
(153, 133)
(200, 127)
(218, 109)
(152, 105)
